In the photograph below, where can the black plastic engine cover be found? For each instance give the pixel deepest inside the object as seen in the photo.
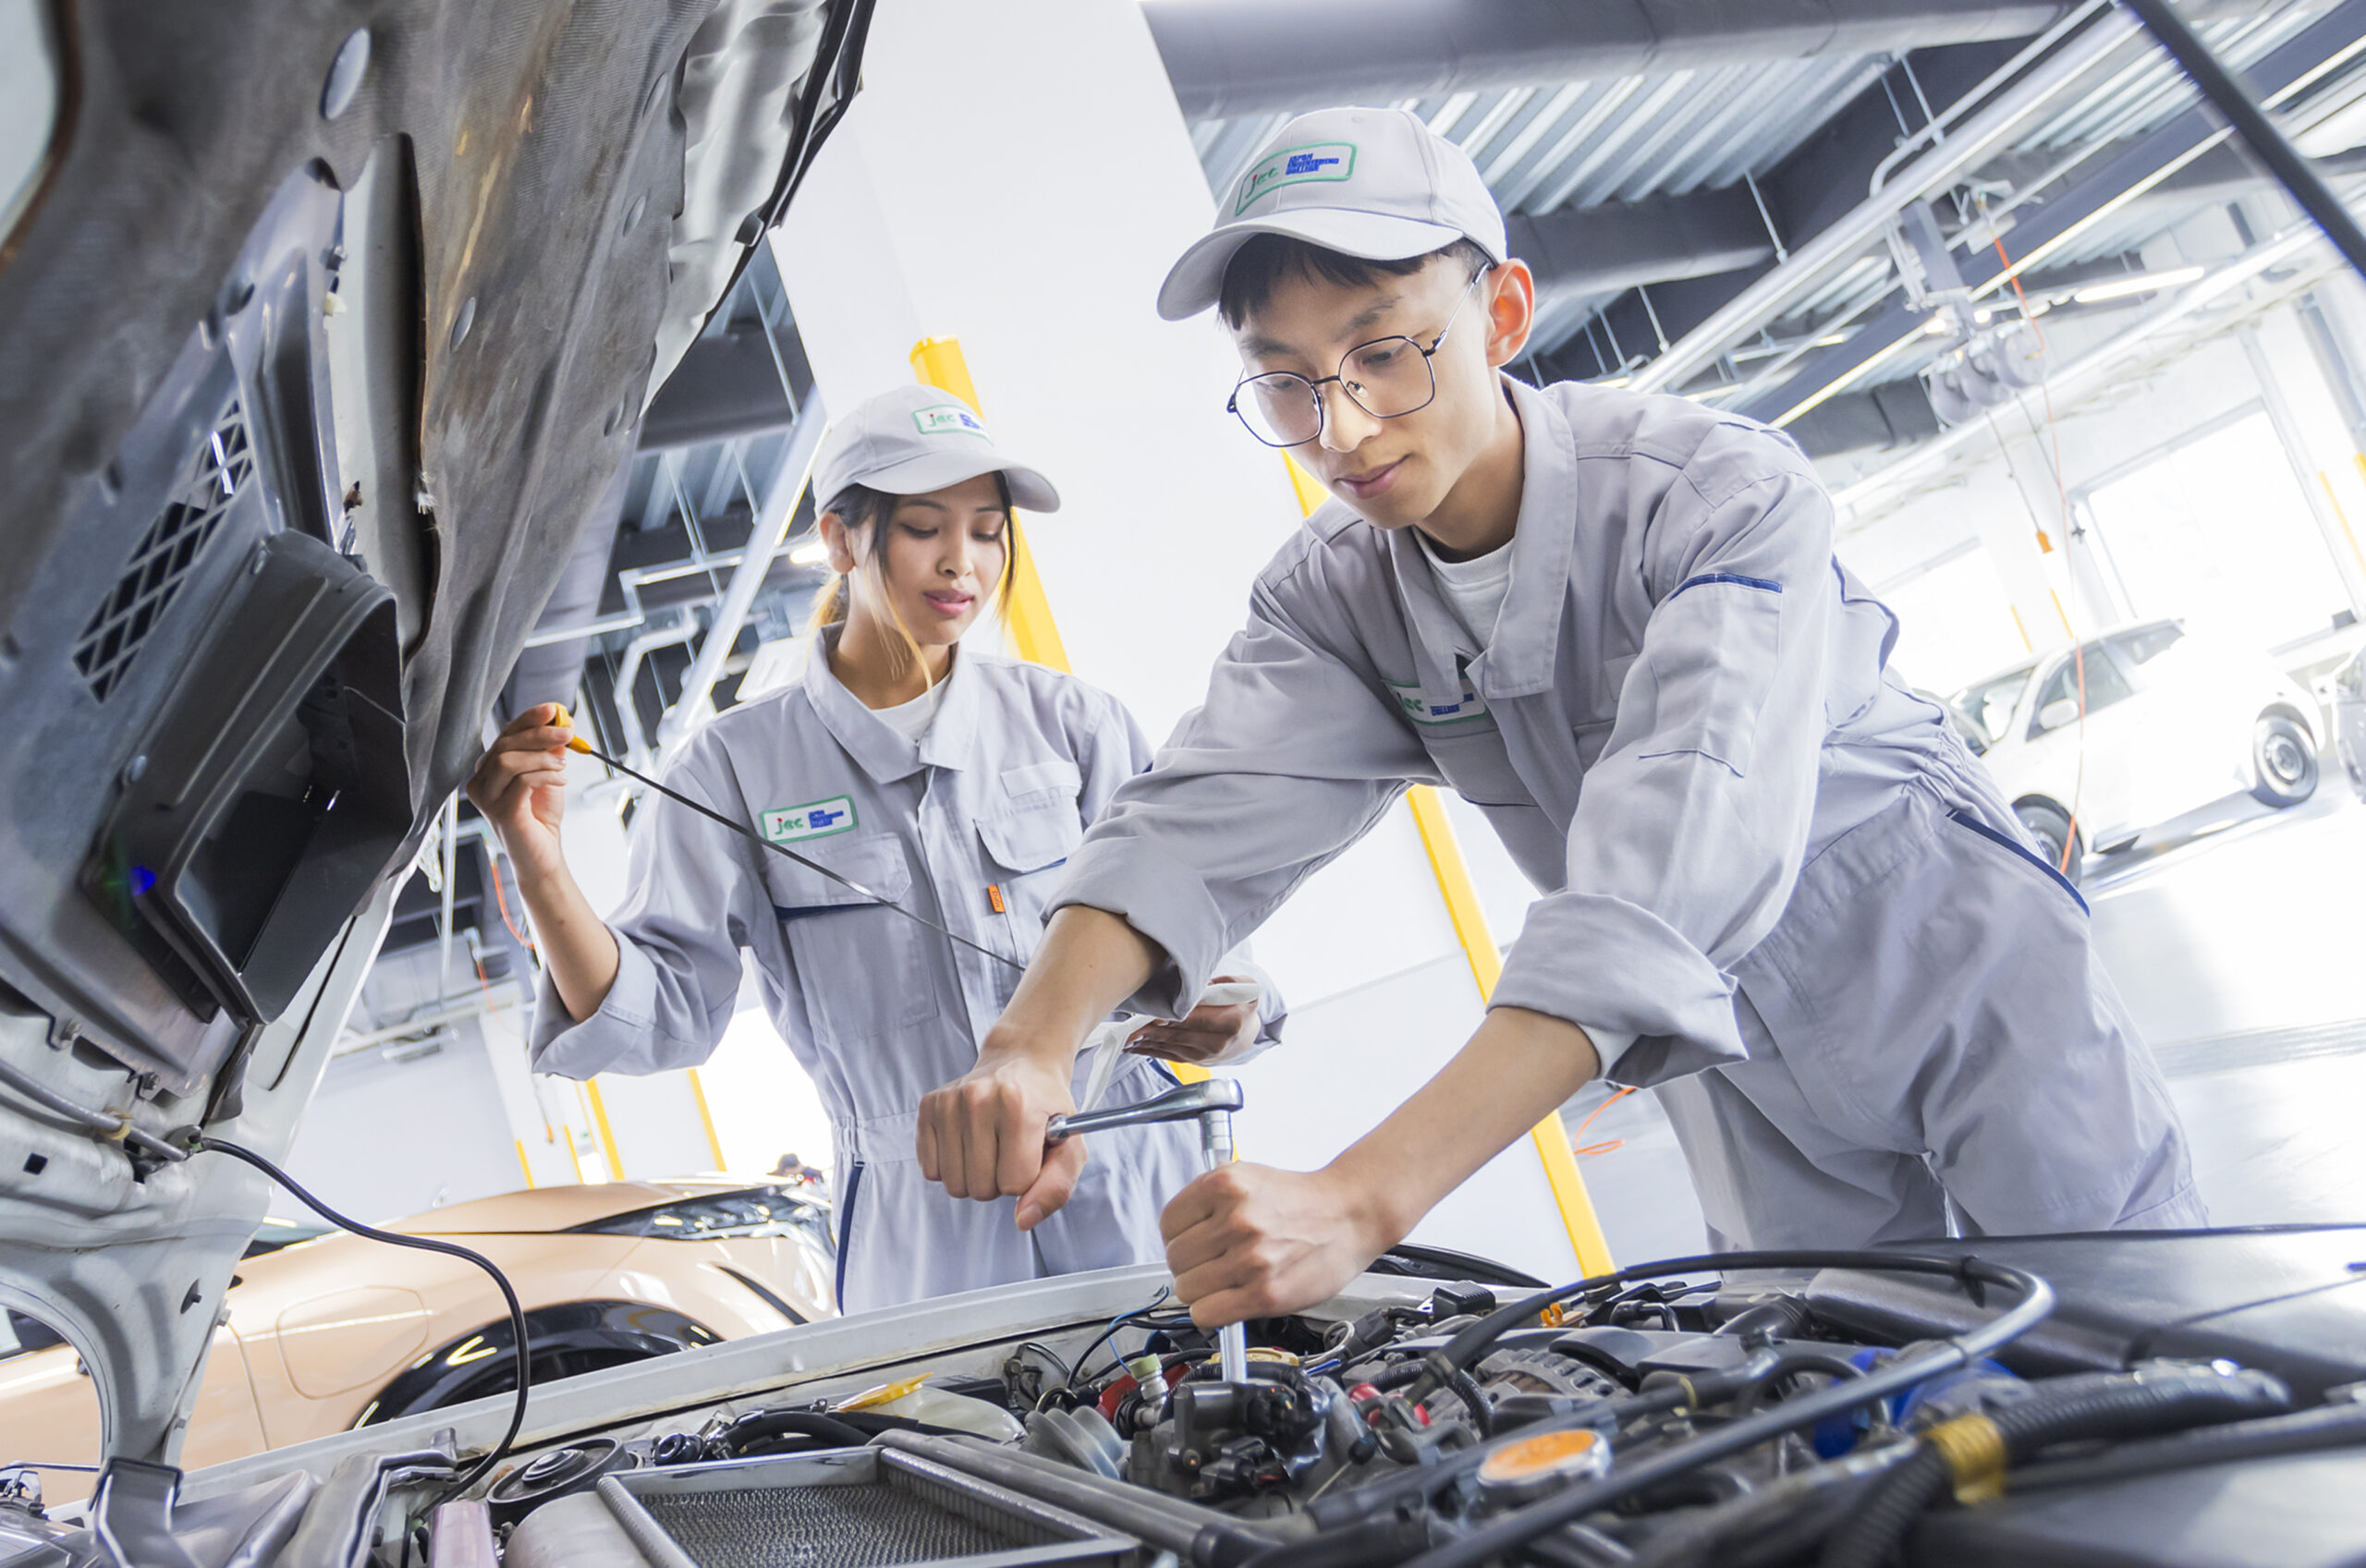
(2299, 1511)
(2287, 1299)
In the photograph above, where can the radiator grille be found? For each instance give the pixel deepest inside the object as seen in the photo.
(211, 480)
(865, 1525)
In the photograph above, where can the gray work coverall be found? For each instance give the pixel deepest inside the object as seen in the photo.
(878, 1010)
(1867, 1007)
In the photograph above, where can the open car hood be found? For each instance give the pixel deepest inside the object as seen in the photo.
(321, 331)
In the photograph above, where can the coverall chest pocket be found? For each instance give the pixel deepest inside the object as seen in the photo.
(860, 967)
(1476, 764)
(1026, 845)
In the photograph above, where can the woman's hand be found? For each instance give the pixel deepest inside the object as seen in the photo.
(1248, 1241)
(521, 788)
(1205, 1036)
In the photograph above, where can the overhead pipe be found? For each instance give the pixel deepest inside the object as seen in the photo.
(2071, 378)
(1976, 139)
(1228, 57)
(2131, 173)
(765, 540)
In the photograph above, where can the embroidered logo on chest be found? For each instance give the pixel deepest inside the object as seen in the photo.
(820, 819)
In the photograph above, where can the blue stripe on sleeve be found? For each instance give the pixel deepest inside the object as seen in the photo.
(1726, 577)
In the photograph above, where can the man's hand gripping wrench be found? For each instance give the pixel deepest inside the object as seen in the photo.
(1211, 1103)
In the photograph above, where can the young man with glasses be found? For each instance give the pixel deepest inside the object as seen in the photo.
(1774, 885)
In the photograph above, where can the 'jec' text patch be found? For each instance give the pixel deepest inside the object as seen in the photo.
(788, 824)
(1295, 166)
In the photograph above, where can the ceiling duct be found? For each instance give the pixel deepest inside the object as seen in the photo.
(1228, 57)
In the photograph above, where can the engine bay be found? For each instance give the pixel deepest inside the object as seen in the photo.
(2176, 1398)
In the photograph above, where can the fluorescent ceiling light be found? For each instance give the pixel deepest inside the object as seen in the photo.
(810, 553)
(2140, 282)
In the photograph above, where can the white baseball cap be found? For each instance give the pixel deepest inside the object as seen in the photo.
(915, 439)
(1374, 183)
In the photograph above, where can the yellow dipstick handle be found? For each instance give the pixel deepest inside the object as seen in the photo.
(574, 742)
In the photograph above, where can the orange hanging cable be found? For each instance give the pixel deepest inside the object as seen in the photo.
(2062, 496)
(1599, 1148)
(500, 897)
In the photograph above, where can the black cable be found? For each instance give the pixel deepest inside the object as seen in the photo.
(1119, 1321)
(1505, 1533)
(752, 836)
(46, 1465)
(516, 1313)
(1067, 1371)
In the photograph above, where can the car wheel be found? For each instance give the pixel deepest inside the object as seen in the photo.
(2283, 761)
(2050, 826)
(564, 1340)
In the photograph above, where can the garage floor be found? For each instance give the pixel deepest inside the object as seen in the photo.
(2238, 939)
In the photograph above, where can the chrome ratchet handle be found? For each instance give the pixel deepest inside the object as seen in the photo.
(1211, 1102)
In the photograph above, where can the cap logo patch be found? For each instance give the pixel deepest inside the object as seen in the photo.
(1295, 165)
(949, 418)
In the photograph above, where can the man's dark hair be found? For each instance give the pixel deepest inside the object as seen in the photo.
(1258, 267)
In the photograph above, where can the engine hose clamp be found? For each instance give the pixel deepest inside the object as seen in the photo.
(1973, 1447)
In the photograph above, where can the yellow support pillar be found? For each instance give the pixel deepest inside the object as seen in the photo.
(523, 1164)
(1462, 907)
(1551, 1138)
(937, 362)
(607, 1134)
(706, 1118)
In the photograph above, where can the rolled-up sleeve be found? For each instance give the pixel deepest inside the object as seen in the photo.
(693, 905)
(1291, 759)
(1690, 828)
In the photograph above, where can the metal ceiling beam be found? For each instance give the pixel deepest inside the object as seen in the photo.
(727, 385)
(1610, 249)
(2115, 185)
(1229, 57)
(1979, 137)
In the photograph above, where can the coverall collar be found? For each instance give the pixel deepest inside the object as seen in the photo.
(1520, 658)
(873, 743)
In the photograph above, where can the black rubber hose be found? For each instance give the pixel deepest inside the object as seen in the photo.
(2306, 1431)
(1387, 1539)
(1467, 1346)
(1500, 1537)
(2108, 1404)
(1798, 1360)
(765, 1426)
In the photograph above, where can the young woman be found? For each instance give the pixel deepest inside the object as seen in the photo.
(944, 779)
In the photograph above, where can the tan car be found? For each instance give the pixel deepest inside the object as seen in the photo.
(321, 1340)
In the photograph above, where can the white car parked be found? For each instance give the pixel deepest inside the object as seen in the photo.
(2172, 723)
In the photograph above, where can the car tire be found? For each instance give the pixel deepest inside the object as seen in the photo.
(2284, 760)
(2049, 827)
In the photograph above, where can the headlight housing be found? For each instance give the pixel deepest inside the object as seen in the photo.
(748, 1213)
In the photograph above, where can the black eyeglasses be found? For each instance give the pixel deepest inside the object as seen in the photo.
(1387, 378)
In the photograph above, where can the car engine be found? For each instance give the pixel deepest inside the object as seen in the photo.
(1673, 1415)
(2193, 1398)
